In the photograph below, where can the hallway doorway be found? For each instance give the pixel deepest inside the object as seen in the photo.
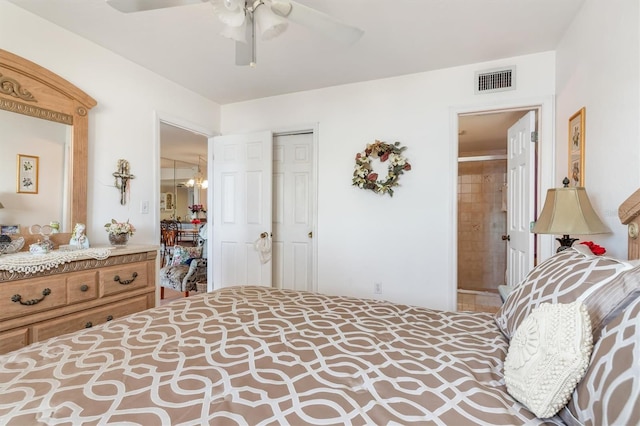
(183, 193)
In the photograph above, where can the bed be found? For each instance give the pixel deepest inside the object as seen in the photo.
(255, 355)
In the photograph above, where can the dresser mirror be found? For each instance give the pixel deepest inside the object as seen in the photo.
(49, 139)
(48, 118)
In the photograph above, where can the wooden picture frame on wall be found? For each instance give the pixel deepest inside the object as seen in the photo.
(27, 179)
(576, 148)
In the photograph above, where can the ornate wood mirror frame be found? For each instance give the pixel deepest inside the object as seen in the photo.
(29, 89)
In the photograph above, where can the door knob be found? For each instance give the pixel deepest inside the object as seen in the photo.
(310, 234)
(506, 238)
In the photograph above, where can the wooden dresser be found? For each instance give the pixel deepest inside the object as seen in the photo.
(79, 294)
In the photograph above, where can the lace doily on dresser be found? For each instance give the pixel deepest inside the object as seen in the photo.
(28, 263)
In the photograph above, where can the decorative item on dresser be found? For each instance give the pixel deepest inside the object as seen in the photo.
(79, 238)
(119, 232)
(37, 303)
(9, 244)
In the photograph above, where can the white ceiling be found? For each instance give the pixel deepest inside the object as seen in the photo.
(485, 133)
(401, 37)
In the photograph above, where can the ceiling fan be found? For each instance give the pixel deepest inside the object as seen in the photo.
(243, 18)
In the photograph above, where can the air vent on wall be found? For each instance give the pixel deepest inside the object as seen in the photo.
(495, 80)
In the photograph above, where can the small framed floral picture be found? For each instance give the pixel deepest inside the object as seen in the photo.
(576, 148)
(27, 180)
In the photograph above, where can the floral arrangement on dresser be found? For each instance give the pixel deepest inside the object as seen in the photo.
(116, 228)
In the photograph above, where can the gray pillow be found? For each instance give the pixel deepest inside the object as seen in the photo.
(609, 393)
(575, 274)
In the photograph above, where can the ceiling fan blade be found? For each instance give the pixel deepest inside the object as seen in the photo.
(129, 6)
(317, 21)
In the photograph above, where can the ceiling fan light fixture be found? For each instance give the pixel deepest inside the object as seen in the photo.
(238, 33)
(243, 18)
(198, 180)
(229, 12)
(281, 7)
(269, 24)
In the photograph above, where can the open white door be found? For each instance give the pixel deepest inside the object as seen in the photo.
(242, 199)
(520, 197)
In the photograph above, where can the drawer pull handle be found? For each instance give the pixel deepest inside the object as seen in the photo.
(125, 282)
(18, 298)
(110, 318)
(88, 325)
(84, 287)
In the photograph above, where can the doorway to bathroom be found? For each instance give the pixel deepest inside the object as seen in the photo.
(487, 209)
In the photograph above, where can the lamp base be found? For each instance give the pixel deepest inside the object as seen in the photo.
(565, 242)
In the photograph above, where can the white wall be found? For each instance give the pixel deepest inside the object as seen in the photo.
(598, 68)
(406, 241)
(122, 125)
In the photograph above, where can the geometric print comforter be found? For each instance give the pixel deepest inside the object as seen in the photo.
(255, 355)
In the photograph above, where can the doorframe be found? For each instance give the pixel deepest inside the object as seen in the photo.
(545, 174)
(313, 128)
(190, 126)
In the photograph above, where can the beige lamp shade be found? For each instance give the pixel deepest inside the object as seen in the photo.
(568, 211)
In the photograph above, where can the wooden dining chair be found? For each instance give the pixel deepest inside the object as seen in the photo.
(168, 238)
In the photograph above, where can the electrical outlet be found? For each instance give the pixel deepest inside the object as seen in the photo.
(377, 288)
(144, 207)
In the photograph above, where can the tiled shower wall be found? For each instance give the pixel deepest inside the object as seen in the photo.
(482, 220)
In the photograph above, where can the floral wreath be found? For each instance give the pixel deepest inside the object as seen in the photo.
(364, 177)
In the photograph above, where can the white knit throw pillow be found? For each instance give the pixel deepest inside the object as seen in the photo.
(548, 355)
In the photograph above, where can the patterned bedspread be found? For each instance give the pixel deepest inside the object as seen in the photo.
(252, 355)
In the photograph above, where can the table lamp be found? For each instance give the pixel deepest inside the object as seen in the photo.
(568, 211)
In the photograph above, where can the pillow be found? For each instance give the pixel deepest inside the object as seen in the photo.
(548, 355)
(181, 254)
(573, 274)
(609, 393)
(610, 300)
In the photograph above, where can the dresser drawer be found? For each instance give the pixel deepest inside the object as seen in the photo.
(127, 277)
(26, 297)
(89, 318)
(14, 339)
(82, 286)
